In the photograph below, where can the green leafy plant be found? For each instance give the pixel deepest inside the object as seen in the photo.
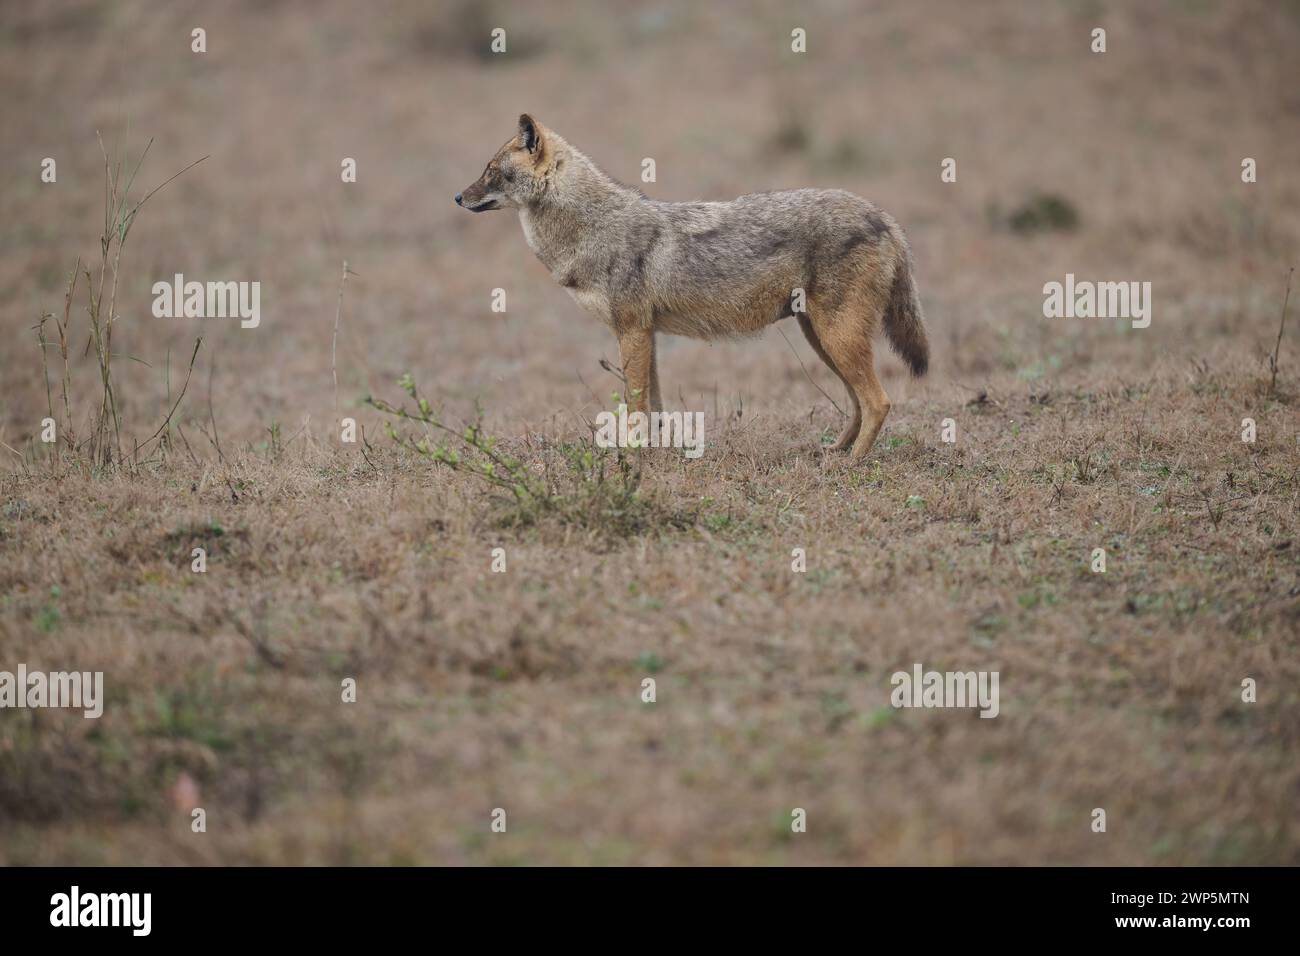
(578, 483)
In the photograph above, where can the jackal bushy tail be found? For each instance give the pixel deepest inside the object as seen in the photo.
(904, 323)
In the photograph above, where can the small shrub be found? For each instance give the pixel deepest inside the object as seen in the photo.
(1043, 212)
(577, 483)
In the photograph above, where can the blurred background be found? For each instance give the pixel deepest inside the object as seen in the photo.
(1123, 165)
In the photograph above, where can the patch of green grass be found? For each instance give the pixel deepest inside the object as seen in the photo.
(818, 578)
(48, 617)
(990, 625)
(650, 662)
(192, 712)
(1043, 212)
(718, 521)
(1038, 596)
(880, 716)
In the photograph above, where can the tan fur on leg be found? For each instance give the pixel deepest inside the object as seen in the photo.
(636, 355)
(656, 397)
(849, 346)
(850, 431)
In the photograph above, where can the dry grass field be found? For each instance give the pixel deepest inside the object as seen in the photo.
(522, 690)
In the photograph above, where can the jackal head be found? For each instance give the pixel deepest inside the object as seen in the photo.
(513, 177)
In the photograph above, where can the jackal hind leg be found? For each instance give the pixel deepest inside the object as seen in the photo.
(848, 343)
(855, 416)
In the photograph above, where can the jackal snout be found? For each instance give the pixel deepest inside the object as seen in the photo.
(514, 177)
(478, 197)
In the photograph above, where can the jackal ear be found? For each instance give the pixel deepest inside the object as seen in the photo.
(529, 132)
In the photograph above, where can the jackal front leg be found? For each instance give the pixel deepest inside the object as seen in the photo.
(636, 354)
(656, 397)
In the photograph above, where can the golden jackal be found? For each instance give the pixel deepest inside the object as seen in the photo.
(714, 269)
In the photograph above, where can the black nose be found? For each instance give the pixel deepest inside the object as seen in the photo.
(458, 198)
